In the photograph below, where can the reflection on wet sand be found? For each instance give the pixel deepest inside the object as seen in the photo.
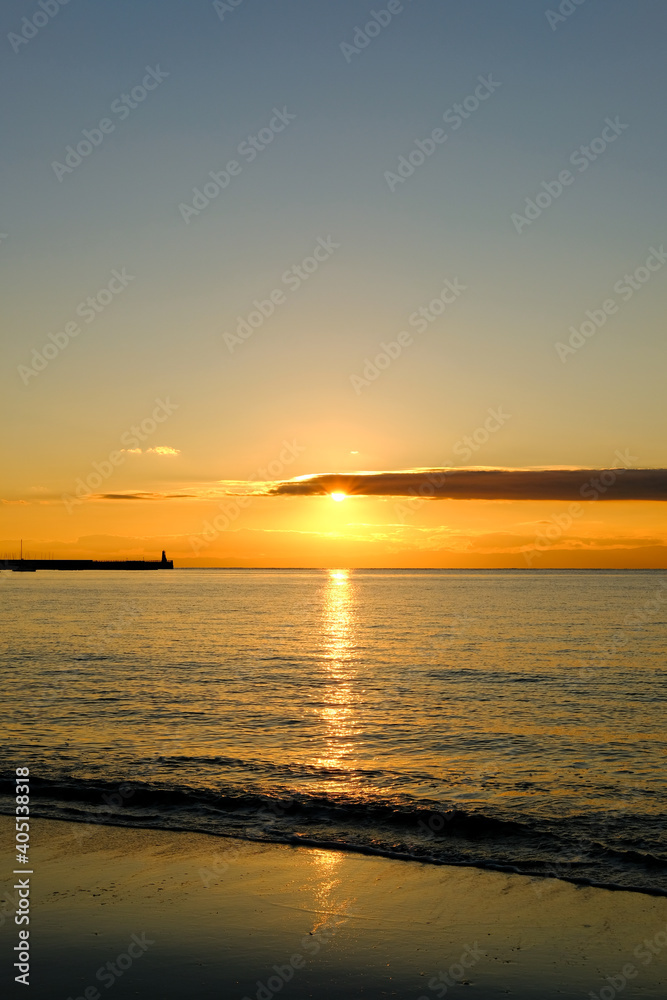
(330, 910)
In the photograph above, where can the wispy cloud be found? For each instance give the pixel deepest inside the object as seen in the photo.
(130, 495)
(161, 449)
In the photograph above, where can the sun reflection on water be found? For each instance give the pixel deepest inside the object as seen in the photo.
(338, 711)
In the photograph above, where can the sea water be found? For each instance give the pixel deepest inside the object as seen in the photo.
(505, 719)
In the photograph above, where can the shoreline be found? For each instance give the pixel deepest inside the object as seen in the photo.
(252, 921)
(296, 840)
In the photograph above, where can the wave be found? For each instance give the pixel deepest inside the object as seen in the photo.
(570, 849)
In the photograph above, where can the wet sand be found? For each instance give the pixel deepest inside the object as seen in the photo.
(180, 915)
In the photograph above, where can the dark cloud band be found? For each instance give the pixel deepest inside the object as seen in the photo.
(489, 484)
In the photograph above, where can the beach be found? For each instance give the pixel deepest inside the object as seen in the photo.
(153, 913)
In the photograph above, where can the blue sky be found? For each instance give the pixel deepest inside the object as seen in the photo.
(324, 176)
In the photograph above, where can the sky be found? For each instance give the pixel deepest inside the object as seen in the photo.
(248, 243)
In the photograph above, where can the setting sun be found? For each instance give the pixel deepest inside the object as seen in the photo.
(338, 497)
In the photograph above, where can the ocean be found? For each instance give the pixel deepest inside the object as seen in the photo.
(511, 720)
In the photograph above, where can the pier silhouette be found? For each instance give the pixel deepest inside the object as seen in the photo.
(22, 565)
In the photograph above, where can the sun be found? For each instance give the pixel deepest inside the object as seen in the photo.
(338, 497)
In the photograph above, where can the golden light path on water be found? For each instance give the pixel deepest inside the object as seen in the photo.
(339, 718)
(339, 626)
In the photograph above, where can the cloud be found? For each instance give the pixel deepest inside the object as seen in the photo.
(142, 496)
(487, 484)
(547, 484)
(161, 449)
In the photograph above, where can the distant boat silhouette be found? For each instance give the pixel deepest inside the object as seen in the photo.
(22, 566)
